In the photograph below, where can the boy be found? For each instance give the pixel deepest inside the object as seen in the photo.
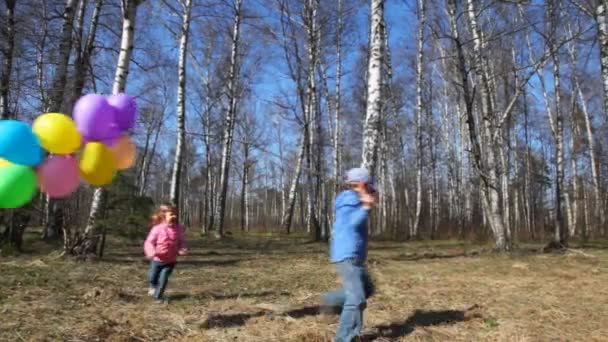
(348, 251)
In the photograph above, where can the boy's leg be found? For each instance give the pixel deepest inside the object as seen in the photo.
(332, 302)
(334, 298)
(351, 319)
(368, 282)
(165, 272)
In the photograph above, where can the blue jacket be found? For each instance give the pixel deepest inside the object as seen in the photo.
(349, 235)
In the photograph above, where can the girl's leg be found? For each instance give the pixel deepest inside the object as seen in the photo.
(154, 273)
(165, 272)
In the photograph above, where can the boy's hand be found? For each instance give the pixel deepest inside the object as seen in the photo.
(183, 251)
(368, 200)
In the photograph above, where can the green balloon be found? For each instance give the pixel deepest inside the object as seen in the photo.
(17, 186)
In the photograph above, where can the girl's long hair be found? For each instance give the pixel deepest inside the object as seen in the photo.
(159, 215)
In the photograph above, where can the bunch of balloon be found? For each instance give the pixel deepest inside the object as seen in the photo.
(100, 127)
(104, 124)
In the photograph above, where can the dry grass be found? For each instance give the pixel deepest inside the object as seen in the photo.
(266, 289)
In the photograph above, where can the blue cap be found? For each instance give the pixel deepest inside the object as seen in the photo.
(359, 174)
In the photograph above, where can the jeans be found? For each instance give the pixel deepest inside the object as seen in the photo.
(352, 298)
(159, 276)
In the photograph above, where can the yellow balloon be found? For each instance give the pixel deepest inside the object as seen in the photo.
(97, 164)
(4, 163)
(57, 133)
(124, 153)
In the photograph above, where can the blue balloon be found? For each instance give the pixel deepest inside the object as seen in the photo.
(18, 144)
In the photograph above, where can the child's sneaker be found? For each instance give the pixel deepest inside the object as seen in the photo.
(151, 291)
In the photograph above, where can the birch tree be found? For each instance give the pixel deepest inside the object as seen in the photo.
(582, 101)
(229, 121)
(57, 91)
(90, 244)
(53, 208)
(371, 127)
(8, 50)
(181, 103)
(419, 109)
(338, 97)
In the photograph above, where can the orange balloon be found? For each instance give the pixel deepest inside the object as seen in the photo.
(124, 152)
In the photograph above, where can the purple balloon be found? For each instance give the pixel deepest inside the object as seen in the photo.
(95, 118)
(126, 110)
(110, 141)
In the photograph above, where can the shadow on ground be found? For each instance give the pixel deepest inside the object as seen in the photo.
(422, 318)
(224, 296)
(185, 263)
(240, 319)
(431, 256)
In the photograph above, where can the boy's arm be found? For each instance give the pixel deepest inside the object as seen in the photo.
(358, 215)
(351, 206)
(150, 243)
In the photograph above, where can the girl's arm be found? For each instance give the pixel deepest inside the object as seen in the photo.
(150, 243)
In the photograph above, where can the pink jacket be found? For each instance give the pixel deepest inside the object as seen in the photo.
(164, 242)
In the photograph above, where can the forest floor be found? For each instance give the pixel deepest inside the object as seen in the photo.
(266, 288)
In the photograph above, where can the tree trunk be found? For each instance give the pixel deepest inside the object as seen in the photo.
(560, 234)
(63, 57)
(338, 99)
(209, 208)
(56, 104)
(291, 197)
(419, 109)
(148, 158)
(129, 12)
(599, 212)
(528, 172)
(245, 187)
(84, 53)
(9, 49)
(573, 218)
(181, 106)
(233, 76)
(312, 118)
(371, 127)
(602, 20)
(485, 164)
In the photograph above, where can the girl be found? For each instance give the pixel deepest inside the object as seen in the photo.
(164, 243)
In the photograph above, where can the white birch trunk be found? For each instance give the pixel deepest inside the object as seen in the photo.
(419, 109)
(602, 20)
(599, 212)
(145, 168)
(291, 196)
(245, 186)
(129, 13)
(7, 65)
(82, 64)
(371, 125)
(490, 184)
(338, 99)
(233, 76)
(573, 214)
(560, 234)
(63, 57)
(181, 105)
